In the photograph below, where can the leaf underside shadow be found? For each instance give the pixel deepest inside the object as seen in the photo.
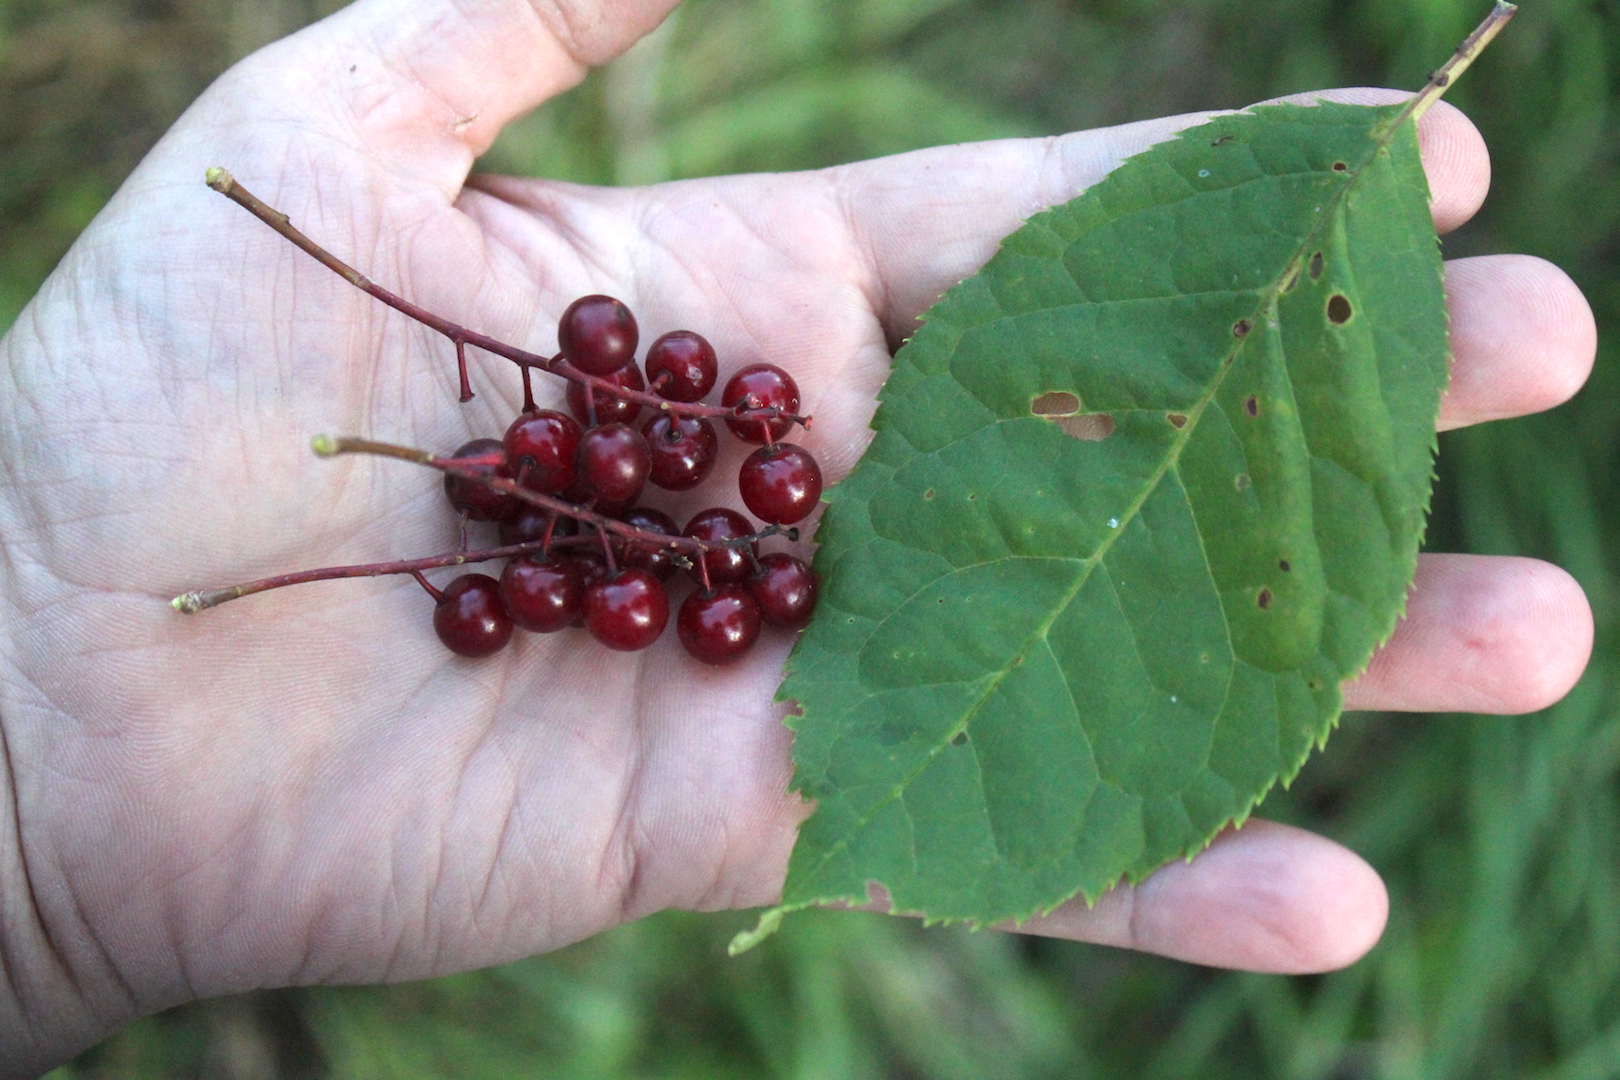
(1143, 492)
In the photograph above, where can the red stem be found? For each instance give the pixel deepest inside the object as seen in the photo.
(224, 183)
(202, 599)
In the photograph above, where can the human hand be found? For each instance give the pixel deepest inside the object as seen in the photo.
(304, 786)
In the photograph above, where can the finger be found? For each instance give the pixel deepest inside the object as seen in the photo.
(1522, 336)
(1481, 634)
(1264, 897)
(423, 87)
(928, 219)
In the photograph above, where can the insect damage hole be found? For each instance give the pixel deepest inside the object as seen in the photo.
(1177, 420)
(1251, 405)
(1241, 328)
(1339, 166)
(959, 739)
(1263, 600)
(1316, 266)
(1063, 409)
(1338, 309)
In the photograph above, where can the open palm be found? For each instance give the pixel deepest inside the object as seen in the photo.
(304, 786)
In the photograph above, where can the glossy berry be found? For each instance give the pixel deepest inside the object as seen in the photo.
(609, 410)
(543, 595)
(683, 450)
(626, 611)
(785, 589)
(470, 619)
(718, 625)
(592, 568)
(540, 447)
(613, 463)
(479, 502)
(656, 560)
(681, 366)
(726, 566)
(780, 483)
(768, 386)
(529, 524)
(597, 334)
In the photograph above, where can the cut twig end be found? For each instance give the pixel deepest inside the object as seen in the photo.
(219, 179)
(324, 446)
(187, 603)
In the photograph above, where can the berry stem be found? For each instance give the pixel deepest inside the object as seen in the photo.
(202, 599)
(223, 182)
(466, 468)
(438, 596)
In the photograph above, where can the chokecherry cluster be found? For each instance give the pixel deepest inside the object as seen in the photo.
(596, 463)
(564, 488)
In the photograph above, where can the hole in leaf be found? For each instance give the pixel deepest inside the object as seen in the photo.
(1087, 427)
(1292, 281)
(1264, 599)
(959, 739)
(1251, 405)
(1241, 481)
(1240, 328)
(1055, 403)
(1316, 266)
(1339, 310)
(1282, 564)
(1339, 166)
(1222, 139)
(1177, 420)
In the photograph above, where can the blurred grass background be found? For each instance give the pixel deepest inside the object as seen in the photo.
(1499, 837)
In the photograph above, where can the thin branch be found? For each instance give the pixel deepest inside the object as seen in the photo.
(223, 182)
(1466, 53)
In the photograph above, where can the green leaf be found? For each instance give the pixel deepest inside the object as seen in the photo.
(1044, 662)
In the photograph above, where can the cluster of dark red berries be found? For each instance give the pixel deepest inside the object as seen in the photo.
(595, 465)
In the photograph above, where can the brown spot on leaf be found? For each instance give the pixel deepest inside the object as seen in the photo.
(1055, 403)
(1316, 266)
(1251, 405)
(929, 494)
(1222, 139)
(1292, 281)
(1264, 599)
(959, 739)
(1282, 564)
(1087, 427)
(1177, 420)
(1339, 311)
(1241, 328)
(1339, 166)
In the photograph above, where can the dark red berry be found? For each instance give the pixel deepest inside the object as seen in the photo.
(761, 386)
(681, 366)
(726, 566)
(543, 595)
(785, 589)
(597, 334)
(540, 447)
(626, 611)
(683, 450)
(613, 463)
(529, 525)
(470, 619)
(657, 560)
(479, 502)
(780, 483)
(718, 625)
(609, 410)
(592, 568)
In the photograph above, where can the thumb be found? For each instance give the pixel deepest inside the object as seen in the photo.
(416, 88)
